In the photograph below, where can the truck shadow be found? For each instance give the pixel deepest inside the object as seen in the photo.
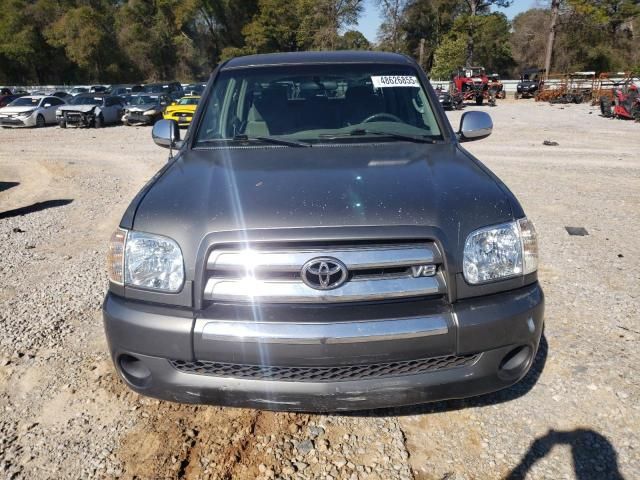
(594, 457)
(511, 393)
(7, 185)
(35, 207)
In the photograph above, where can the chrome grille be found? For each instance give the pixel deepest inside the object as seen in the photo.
(324, 374)
(375, 272)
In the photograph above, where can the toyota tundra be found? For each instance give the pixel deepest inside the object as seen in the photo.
(320, 240)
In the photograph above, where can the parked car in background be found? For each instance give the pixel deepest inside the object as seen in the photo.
(531, 79)
(166, 88)
(97, 89)
(182, 111)
(7, 99)
(194, 89)
(137, 88)
(78, 90)
(30, 111)
(119, 90)
(450, 99)
(145, 109)
(90, 110)
(5, 91)
(126, 98)
(62, 94)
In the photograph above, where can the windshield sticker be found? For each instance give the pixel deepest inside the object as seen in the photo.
(395, 81)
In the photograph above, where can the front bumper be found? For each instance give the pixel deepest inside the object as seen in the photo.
(17, 121)
(76, 119)
(183, 118)
(135, 118)
(491, 328)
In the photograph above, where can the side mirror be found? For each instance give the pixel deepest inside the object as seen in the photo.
(475, 126)
(166, 133)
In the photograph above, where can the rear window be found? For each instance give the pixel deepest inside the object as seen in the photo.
(318, 103)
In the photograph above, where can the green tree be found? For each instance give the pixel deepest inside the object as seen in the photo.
(87, 35)
(219, 26)
(427, 22)
(321, 21)
(475, 8)
(390, 33)
(155, 36)
(274, 28)
(527, 40)
(353, 40)
(491, 35)
(613, 15)
(449, 55)
(292, 25)
(25, 54)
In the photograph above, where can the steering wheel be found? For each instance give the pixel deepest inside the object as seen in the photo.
(383, 115)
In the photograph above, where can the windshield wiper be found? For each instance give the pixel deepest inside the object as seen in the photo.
(270, 139)
(363, 131)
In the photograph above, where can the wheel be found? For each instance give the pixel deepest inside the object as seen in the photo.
(62, 124)
(479, 100)
(605, 107)
(515, 96)
(40, 121)
(99, 121)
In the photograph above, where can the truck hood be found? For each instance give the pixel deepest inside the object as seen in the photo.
(77, 108)
(374, 185)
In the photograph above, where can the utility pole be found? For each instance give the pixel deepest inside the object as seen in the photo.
(421, 55)
(555, 11)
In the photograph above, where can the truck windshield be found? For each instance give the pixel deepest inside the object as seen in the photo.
(326, 103)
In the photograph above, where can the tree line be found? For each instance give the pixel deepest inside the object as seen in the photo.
(82, 41)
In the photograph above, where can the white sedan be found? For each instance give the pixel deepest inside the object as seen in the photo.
(31, 111)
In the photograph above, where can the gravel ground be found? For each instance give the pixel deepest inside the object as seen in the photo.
(65, 414)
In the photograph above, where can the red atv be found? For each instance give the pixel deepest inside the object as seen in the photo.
(473, 83)
(624, 104)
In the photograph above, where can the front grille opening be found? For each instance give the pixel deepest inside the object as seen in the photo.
(341, 373)
(360, 274)
(272, 272)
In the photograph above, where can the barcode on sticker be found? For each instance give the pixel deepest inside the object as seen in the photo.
(395, 81)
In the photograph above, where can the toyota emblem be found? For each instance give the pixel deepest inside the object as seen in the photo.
(324, 273)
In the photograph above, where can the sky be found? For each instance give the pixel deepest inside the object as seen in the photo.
(370, 20)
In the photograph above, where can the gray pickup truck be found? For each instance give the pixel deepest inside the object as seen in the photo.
(321, 241)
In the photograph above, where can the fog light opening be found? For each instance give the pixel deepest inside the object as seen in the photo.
(134, 370)
(515, 362)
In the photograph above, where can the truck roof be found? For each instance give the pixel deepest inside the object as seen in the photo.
(299, 58)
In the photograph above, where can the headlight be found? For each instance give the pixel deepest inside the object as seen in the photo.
(501, 251)
(150, 112)
(58, 113)
(145, 260)
(26, 114)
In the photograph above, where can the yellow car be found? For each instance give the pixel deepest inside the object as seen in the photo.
(182, 111)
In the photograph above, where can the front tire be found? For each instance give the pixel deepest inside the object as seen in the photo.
(40, 122)
(479, 100)
(605, 107)
(98, 122)
(62, 124)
